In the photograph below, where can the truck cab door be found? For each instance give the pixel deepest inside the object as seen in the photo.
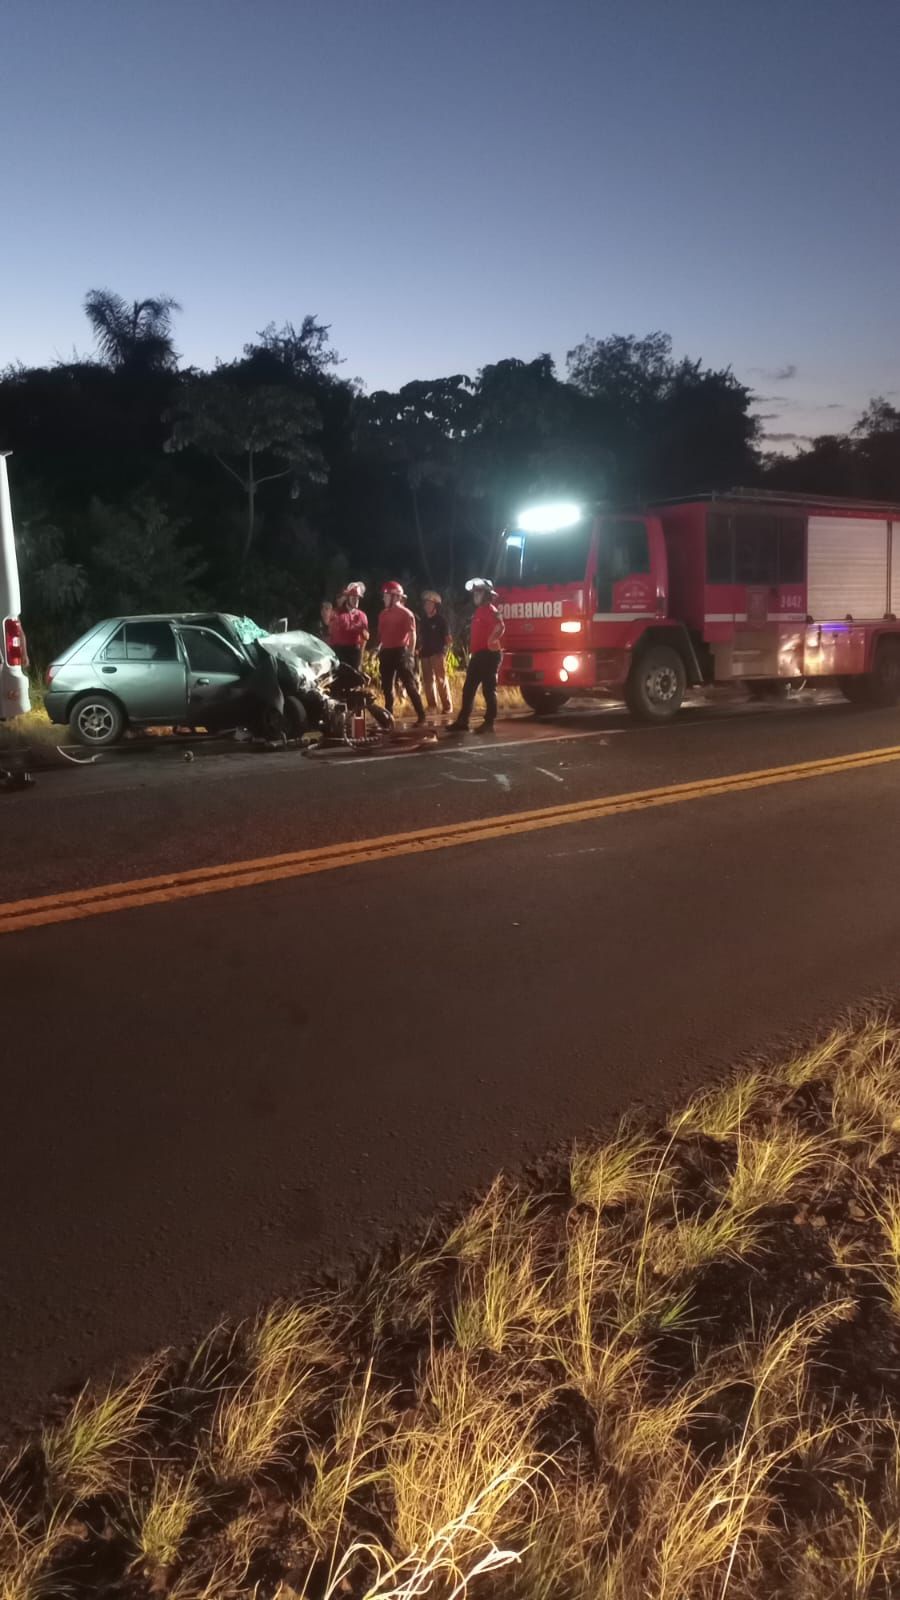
(624, 586)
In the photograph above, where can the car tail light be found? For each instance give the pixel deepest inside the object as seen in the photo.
(50, 675)
(14, 643)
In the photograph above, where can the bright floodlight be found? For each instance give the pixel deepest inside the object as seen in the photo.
(549, 519)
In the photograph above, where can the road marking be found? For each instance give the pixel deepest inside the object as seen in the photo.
(548, 774)
(76, 904)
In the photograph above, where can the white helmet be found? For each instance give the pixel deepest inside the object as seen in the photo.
(480, 583)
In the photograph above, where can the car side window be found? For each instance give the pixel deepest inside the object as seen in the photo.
(115, 647)
(150, 641)
(206, 652)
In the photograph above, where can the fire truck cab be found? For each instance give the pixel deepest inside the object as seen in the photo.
(751, 586)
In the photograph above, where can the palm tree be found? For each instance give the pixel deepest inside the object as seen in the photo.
(135, 335)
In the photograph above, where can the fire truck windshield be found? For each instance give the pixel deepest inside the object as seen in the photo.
(543, 559)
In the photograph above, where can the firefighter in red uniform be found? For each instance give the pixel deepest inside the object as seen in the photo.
(397, 648)
(348, 627)
(485, 648)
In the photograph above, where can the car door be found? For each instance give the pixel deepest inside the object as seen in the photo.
(215, 670)
(142, 666)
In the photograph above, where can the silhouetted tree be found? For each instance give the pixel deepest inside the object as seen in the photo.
(417, 433)
(300, 354)
(245, 429)
(132, 335)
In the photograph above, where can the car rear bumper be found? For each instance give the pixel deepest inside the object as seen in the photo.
(56, 705)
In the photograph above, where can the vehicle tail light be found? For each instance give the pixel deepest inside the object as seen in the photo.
(14, 643)
(570, 627)
(50, 675)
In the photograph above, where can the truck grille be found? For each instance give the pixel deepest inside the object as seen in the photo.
(521, 662)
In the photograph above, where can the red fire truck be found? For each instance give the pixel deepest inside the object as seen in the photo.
(750, 586)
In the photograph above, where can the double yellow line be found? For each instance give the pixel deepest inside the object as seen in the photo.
(76, 904)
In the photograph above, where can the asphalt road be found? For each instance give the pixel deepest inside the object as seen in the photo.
(205, 1098)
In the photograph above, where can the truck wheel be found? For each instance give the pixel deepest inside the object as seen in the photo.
(856, 690)
(543, 702)
(97, 720)
(884, 680)
(656, 684)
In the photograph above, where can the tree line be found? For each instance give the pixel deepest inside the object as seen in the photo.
(263, 484)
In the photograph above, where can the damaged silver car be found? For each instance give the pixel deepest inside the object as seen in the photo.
(197, 670)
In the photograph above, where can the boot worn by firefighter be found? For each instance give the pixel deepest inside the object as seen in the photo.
(457, 727)
(486, 727)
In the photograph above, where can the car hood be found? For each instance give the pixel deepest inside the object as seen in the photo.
(311, 657)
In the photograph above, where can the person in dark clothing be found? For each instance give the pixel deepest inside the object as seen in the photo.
(433, 644)
(486, 644)
(348, 627)
(397, 645)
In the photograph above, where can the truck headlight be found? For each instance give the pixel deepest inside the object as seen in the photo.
(571, 663)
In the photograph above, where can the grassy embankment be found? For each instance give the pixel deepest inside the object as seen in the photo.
(33, 734)
(670, 1369)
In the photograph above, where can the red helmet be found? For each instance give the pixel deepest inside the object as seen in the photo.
(393, 587)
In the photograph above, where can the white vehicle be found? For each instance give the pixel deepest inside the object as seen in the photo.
(14, 697)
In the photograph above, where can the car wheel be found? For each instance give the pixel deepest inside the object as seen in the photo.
(97, 720)
(296, 720)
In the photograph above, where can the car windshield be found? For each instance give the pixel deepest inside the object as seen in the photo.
(533, 559)
(246, 629)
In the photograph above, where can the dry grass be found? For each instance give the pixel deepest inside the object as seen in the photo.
(160, 1516)
(674, 1373)
(90, 1452)
(28, 1546)
(259, 1417)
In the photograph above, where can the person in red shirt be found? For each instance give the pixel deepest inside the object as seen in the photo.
(397, 648)
(348, 627)
(485, 646)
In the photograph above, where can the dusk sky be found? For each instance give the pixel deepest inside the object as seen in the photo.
(449, 184)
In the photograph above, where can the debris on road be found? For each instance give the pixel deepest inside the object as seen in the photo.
(15, 778)
(78, 761)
